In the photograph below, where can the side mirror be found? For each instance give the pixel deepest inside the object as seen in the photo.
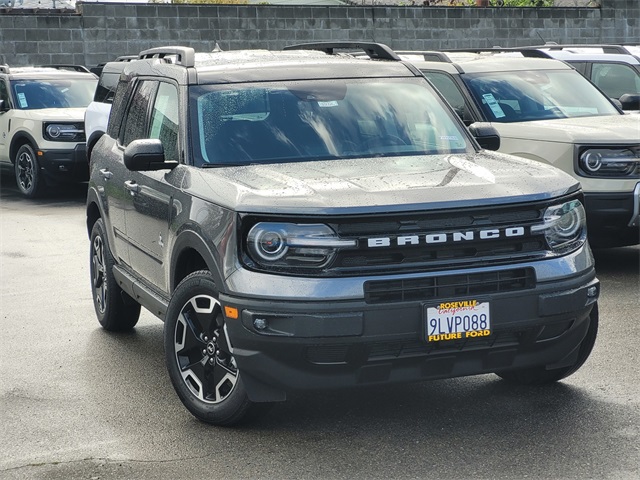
(4, 106)
(486, 135)
(146, 155)
(630, 101)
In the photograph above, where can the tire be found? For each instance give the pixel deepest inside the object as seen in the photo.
(27, 170)
(541, 376)
(201, 366)
(116, 311)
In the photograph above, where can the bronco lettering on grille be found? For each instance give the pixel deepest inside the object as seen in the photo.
(434, 238)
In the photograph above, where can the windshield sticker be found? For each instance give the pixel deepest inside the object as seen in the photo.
(493, 105)
(22, 100)
(332, 103)
(452, 138)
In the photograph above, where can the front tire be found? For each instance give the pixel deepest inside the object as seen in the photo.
(116, 311)
(199, 358)
(27, 170)
(541, 376)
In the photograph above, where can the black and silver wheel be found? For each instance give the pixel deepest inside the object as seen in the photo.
(116, 311)
(198, 355)
(541, 376)
(27, 171)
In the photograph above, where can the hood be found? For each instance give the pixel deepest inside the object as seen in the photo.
(379, 184)
(54, 114)
(620, 129)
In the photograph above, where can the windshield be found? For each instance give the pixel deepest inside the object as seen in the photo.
(537, 95)
(58, 93)
(315, 120)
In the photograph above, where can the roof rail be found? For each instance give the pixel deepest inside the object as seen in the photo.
(528, 52)
(184, 56)
(375, 51)
(606, 48)
(126, 58)
(74, 68)
(428, 55)
(5, 69)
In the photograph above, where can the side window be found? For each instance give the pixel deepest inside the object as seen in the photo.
(136, 123)
(615, 79)
(580, 66)
(164, 120)
(448, 88)
(106, 88)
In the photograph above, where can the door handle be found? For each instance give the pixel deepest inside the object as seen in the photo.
(106, 174)
(132, 186)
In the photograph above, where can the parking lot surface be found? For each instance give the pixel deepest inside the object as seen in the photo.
(80, 403)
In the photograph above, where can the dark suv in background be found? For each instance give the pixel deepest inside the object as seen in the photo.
(305, 219)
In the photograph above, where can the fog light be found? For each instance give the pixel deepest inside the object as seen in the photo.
(260, 323)
(592, 292)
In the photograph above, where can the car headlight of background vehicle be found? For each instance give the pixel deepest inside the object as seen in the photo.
(609, 162)
(293, 246)
(564, 226)
(63, 132)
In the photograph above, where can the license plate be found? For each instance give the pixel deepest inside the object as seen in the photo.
(457, 320)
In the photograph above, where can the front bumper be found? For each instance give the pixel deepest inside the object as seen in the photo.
(65, 165)
(283, 346)
(613, 218)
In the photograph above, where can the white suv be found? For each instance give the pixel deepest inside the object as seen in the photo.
(96, 116)
(614, 69)
(544, 110)
(42, 124)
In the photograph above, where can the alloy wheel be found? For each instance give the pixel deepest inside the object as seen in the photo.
(99, 272)
(201, 351)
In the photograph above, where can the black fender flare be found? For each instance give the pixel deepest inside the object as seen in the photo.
(189, 239)
(16, 140)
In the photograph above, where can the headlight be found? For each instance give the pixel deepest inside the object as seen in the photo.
(565, 226)
(64, 132)
(290, 245)
(610, 162)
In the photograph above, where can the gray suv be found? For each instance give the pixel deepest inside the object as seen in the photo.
(305, 219)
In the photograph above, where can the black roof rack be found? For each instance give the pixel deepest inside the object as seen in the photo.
(375, 51)
(524, 51)
(184, 56)
(73, 68)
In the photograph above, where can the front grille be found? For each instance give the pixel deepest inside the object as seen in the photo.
(426, 241)
(448, 286)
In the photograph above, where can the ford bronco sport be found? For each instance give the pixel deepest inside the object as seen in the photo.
(42, 124)
(304, 219)
(544, 110)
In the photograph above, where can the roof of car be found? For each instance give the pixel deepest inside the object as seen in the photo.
(568, 55)
(467, 62)
(265, 65)
(39, 73)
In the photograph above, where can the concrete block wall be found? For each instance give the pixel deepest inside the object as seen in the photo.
(99, 32)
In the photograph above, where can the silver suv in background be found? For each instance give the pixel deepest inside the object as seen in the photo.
(614, 69)
(544, 110)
